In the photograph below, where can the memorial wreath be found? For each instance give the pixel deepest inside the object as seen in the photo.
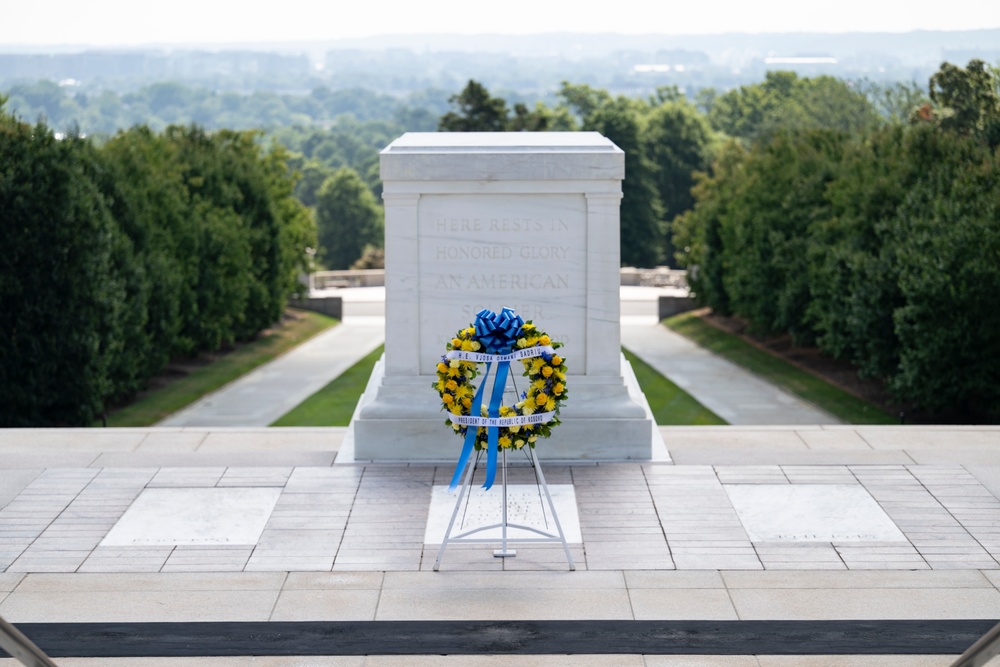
(499, 339)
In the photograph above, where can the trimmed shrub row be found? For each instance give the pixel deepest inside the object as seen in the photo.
(113, 259)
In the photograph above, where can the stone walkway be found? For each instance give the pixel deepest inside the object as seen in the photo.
(731, 392)
(265, 394)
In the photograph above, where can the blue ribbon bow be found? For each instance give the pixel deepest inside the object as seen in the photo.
(497, 333)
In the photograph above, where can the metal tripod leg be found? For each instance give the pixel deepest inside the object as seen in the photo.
(451, 524)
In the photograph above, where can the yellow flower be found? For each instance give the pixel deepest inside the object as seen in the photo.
(528, 326)
(550, 405)
(556, 360)
(467, 403)
(519, 443)
(470, 330)
(456, 427)
(504, 442)
(558, 388)
(533, 438)
(541, 399)
(451, 385)
(531, 342)
(467, 345)
(528, 409)
(447, 399)
(462, 391)
(545, 340)
(476, 346)
(455, 409)
(454, 363)
(442, 367)
(514, 429)
(456, 342)
(538, 384)
(454, 372)
(536, 364)
(560, 375)
(521, 342)
(547, 371)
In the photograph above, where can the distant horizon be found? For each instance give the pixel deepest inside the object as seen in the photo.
(117, 24)
(409, 37)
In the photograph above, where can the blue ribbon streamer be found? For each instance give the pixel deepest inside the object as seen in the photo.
(497, 333)
(470, 434)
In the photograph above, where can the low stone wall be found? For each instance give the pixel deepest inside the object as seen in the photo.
(331, 306)
(322, 280)
(674, 305)
(660, 276)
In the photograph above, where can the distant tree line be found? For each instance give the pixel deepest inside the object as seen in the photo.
(881, 245)
(118, 257)
(166, 103)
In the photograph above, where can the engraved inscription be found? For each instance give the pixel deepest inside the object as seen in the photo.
(504, 281)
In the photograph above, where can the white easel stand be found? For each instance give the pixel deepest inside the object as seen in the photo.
(504, 551)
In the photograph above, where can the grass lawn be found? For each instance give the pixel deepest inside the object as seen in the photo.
(158, 404)
(845, 406)
(334, 404)
(671, 405)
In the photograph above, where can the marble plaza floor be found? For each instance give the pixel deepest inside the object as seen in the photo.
(779, 524)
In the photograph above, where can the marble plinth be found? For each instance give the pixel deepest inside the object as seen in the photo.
(165, 516)
(811, 513)
(526, 505)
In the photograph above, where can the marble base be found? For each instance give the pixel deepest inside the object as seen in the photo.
(400, 419)
(811, 513)
(525, 505)
(165, 516)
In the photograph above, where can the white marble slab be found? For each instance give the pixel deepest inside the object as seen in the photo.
(485, 507)
(811, 513)
(170, 516)
(525, 252)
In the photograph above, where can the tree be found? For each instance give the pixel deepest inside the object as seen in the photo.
(475, 111)
(945, 244)
(894, 102)
(678, 142)
(60, 300)
(642, 232)
(784, 102)
(968, 100)
(348, 219)
(582, 100)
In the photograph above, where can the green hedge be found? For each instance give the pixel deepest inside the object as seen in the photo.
(883, 248)
(116, 258)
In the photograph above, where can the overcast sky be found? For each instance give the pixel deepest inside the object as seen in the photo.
(129, 22)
